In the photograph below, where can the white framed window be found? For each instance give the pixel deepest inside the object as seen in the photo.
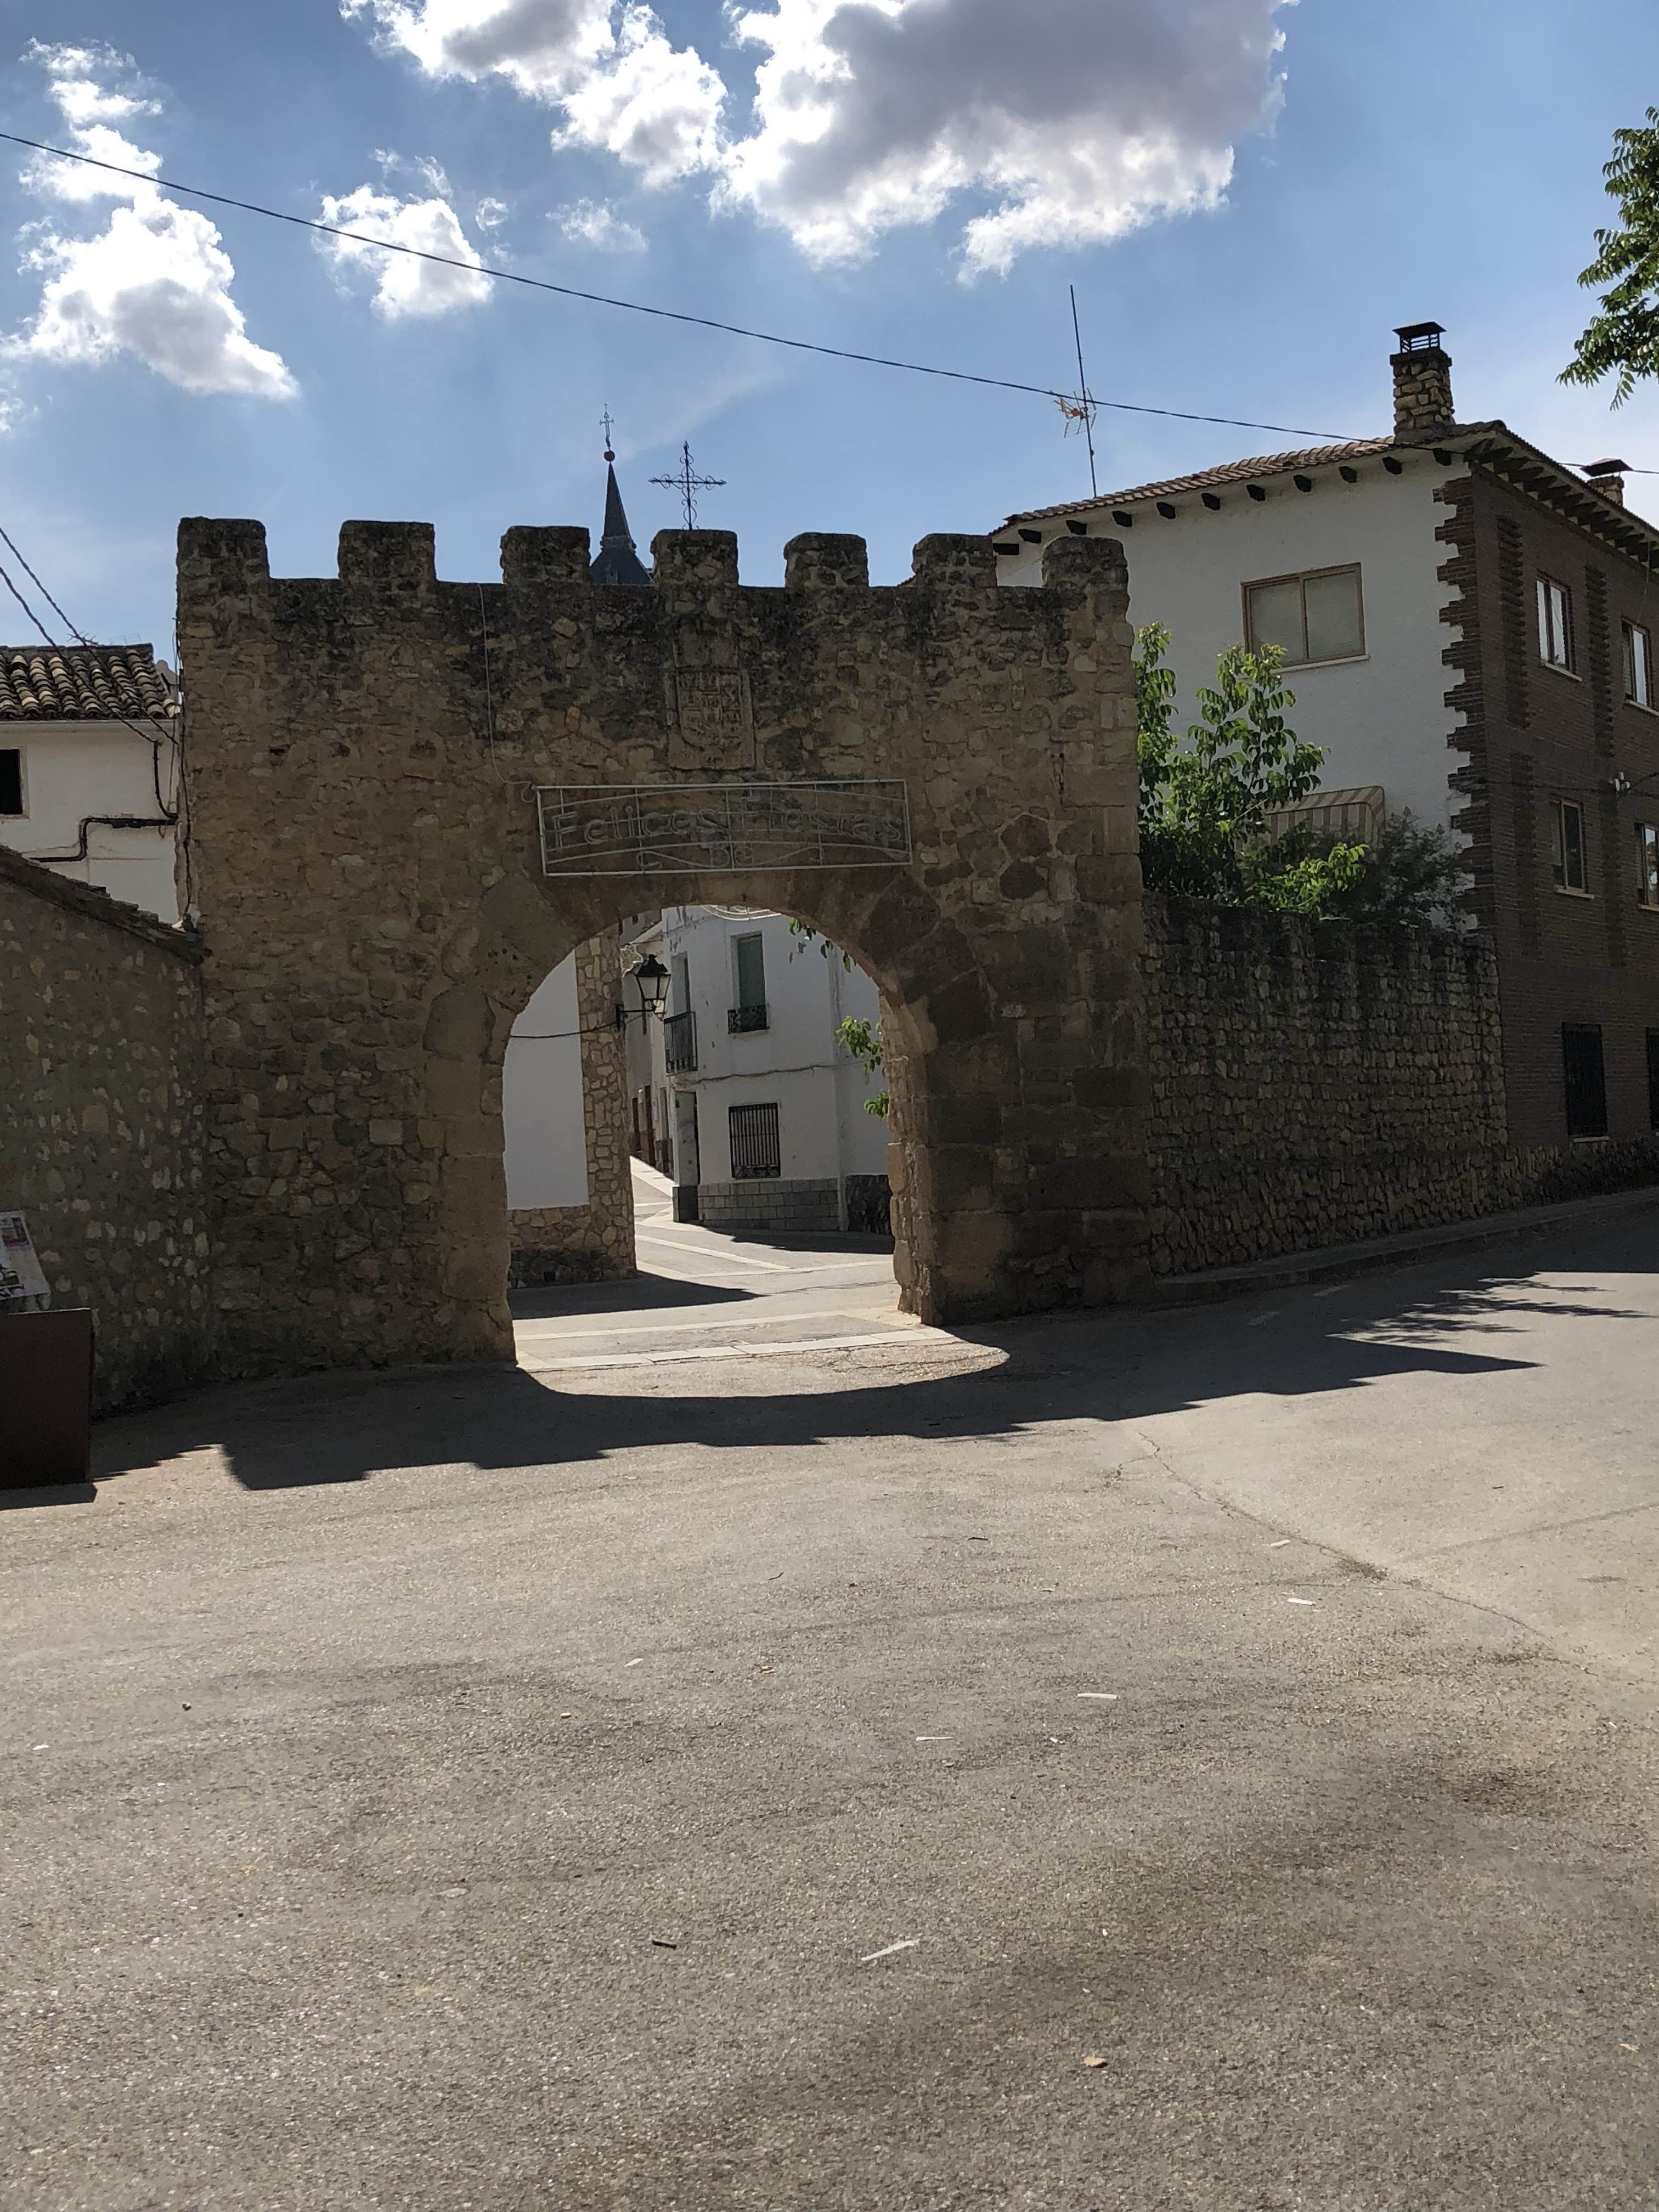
(1638, 664)
(1567, 861)
(1320, 616)
(11, 782)
(1647, 864)
(1555, 641)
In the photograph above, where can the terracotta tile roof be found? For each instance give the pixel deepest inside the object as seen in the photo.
(1264, 465)
(80, 683)
(1491, 445)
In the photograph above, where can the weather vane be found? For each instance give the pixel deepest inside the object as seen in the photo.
(689, 483)
(606, 420)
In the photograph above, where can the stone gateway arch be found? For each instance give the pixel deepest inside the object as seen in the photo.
(409, 800)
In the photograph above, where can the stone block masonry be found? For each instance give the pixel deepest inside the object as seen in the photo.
(1315, 1084)
(593, 1242)
(101, 1123)
(362, 755)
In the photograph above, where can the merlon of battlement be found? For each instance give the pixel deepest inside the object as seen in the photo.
(231, 557)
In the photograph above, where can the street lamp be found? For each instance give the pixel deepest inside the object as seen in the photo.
(651, 978)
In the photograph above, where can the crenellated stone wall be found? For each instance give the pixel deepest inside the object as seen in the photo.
(594, 1241)
(363, 753)
(100, 1123)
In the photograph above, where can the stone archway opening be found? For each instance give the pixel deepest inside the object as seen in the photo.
(759, 1129)
(411, 800)
(750, 1109)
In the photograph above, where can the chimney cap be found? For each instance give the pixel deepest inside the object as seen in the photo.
(1593, 469)
(1420, 337)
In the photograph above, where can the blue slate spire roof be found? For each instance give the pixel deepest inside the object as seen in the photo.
(616, 562)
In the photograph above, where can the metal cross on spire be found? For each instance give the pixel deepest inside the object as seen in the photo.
(688, 483)
(606, 420)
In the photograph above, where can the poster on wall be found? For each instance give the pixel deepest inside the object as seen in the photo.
(23, 1278)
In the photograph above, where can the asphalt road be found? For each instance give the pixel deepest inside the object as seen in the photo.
(1201, 1761)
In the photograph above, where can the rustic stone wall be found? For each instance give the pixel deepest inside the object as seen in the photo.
(362, 753)
(100, 1122)
(1313, 1083)
(592, 1242)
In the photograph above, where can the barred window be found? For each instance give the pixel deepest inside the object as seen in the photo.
(755, 1148)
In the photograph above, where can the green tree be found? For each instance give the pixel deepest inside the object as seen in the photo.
(863, 1040)
(1206, 806)
(1623, 339)
(1412, 873)
(1206, 809)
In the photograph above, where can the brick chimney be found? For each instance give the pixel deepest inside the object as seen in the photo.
(1422, 382)
(1608, 478)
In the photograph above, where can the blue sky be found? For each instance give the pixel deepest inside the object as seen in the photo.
(920, 177)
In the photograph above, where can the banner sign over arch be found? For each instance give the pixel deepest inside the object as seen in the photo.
(671, 830)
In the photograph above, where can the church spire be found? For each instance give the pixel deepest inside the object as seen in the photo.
(618, 562)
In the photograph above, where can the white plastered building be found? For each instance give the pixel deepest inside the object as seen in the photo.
(742, 1094)
(1331, 552)
(88, 768)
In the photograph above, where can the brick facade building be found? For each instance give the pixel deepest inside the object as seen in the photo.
(1554, 618)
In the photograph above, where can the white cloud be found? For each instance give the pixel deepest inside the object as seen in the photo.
(155, 282)
(595, 222)
(490, 214)
(404, 286)
(1077, 120)
(606, 64)
(1083, 117)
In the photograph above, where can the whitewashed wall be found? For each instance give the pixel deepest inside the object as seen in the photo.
(545, 1141)
(793, 1063)
(73, 769)
(1382, 718)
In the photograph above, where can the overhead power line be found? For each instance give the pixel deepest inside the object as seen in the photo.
(16, 552)
(643, 308)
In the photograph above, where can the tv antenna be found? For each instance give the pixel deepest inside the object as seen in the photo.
(1085, 407)
(689, 483)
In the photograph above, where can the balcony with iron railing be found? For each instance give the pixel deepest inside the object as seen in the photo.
(741, 1020)
(679, 1044)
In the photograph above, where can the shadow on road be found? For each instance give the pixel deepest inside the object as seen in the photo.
(341, 1428)
(642, 1293)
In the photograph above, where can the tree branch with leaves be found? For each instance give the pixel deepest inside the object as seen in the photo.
(1623, 340)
